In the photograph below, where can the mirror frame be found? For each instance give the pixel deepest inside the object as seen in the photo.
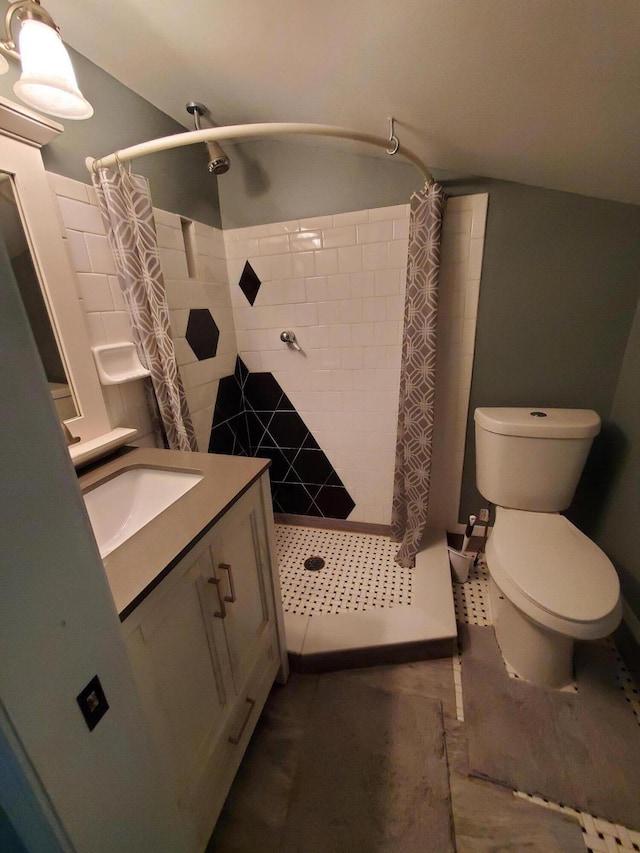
(22, 134)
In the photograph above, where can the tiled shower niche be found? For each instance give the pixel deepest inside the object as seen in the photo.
(254, 417)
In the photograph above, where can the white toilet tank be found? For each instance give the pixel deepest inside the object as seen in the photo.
(532, 459)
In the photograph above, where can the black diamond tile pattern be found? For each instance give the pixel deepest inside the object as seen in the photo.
(249, 283)
(202, 333)
(254, 417)
(229, 433)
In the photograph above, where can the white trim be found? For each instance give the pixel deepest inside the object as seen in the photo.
(22, 133)
(87, 451)
(39, 216)
(25, 125)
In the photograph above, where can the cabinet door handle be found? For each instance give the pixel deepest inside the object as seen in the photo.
(227, 568)
(223, 611)
(237, 738)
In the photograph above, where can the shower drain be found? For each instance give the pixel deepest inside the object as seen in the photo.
(314, 564)
(360, 572)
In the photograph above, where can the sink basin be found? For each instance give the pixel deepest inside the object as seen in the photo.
(120, 507)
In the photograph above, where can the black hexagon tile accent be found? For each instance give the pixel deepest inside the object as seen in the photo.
(249, 283)
(254, 417)
(202, 333)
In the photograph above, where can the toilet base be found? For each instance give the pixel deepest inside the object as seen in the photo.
(532, 651)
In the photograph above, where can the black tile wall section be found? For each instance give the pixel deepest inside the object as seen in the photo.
(202, 333)
(254, 417)
(249, 283)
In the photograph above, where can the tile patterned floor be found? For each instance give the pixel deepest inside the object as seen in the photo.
(359, 573)
(472, 607)
(472, 598)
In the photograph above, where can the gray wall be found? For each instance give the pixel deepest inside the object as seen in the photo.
(272, 181)
(617, 529)
(179, 179)
(559, 290)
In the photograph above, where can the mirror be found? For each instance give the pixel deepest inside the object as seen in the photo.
(31, 291)
(63, 337)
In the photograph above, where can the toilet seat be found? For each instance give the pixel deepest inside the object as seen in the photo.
(554, 573)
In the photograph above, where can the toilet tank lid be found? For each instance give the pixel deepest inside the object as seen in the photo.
(539, 423)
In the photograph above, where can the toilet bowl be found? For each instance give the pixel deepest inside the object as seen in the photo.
(550, 585)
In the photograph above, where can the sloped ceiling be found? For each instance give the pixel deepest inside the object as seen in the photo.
(544, 92)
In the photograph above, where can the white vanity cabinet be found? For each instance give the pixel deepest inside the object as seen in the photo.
(205, 651)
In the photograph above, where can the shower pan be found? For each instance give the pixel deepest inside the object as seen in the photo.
(362, 608)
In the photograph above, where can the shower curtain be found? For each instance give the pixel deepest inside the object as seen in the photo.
(412, 479)
(127, 212)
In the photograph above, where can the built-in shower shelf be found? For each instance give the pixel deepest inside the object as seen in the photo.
(118, 363)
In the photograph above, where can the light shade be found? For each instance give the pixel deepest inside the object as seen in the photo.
(48, 82)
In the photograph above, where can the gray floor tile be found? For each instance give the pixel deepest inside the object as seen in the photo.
(372, 774)
(432, 679)
(488, 818)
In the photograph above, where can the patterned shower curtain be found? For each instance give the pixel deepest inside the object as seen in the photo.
(412, 479)
(127, 212)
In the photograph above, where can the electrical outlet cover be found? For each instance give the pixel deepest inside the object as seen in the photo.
(93, 703)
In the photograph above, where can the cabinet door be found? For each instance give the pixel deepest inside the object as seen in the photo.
(178, 666)
(204, 649)
(244, 584)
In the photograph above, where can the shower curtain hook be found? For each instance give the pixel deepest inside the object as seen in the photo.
(393, 139)
(123, 168)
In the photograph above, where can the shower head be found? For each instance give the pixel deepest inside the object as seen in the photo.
(218, 161)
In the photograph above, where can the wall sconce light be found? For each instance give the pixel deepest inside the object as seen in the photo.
(47, 82)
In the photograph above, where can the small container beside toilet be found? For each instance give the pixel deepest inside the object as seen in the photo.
(460, 562)
(549, 583)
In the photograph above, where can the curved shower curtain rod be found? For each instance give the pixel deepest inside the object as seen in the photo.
(244, 131)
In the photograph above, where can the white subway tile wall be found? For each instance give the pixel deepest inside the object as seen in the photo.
(99, 294)
(462, 250)
(108, 321)
(338, 283)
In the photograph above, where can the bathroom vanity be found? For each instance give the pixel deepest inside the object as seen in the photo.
(198, 595)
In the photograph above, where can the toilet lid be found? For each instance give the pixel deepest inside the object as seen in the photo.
(554, 565)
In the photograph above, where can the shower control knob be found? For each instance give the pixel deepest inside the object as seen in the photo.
(290, 339)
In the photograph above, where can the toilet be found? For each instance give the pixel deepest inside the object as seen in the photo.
(549, 583)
